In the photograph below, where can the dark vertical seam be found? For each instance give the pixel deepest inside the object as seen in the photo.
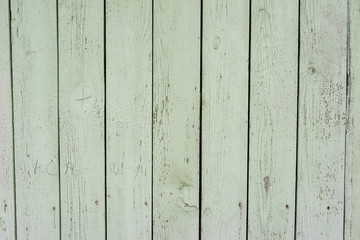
(347, 108)
(12, 116)
(297, 120)
(105, 127)
(248, 128)
(152, 119)
(58, 111)
(200, 115)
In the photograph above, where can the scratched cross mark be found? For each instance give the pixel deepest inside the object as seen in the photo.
(83, 97)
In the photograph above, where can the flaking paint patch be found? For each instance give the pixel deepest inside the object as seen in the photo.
(216, 42)
(2, 225)
(266, 183)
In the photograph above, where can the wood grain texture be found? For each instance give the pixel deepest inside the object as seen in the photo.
(176, 97)
(129, 118)
(322, 102)
(7, 204)
(352, 190)
(81, 93)
(224, 119)
(273, 114)
(34, 55)
(115, 93)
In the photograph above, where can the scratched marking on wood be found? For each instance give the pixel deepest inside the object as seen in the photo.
(225, 116)
(7, 218)
(81, 71)
(34, 58)
(129, 112)
(322, 103)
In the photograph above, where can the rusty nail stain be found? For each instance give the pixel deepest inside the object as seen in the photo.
(287, 206)
(328, 208)
(96, 202)
(145, 203)
(53, 208)
(240, 205)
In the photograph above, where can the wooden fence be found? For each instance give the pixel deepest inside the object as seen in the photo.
(179, 119)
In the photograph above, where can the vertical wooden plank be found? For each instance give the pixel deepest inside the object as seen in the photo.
(81, 92)
(34, 55)
(352, 190)
(224, 118)
(7, 214)
(322, 101)
(273, 113)
(176, 96)
(129, 113)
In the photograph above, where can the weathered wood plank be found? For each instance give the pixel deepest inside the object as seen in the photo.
(176, 96)
(224, 119)
(322, 101)
(7, 214)
(129, 118)
(81, 93)
(34, 55)
(273, 113)
(352, 190)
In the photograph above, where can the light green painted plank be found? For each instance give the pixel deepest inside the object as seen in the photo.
(35, 118)
(176, 119)
(225, 116)
(352, 190)
(129, 118)
(7, 214)
(322, 101)
(273, 113)
(81, 59)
